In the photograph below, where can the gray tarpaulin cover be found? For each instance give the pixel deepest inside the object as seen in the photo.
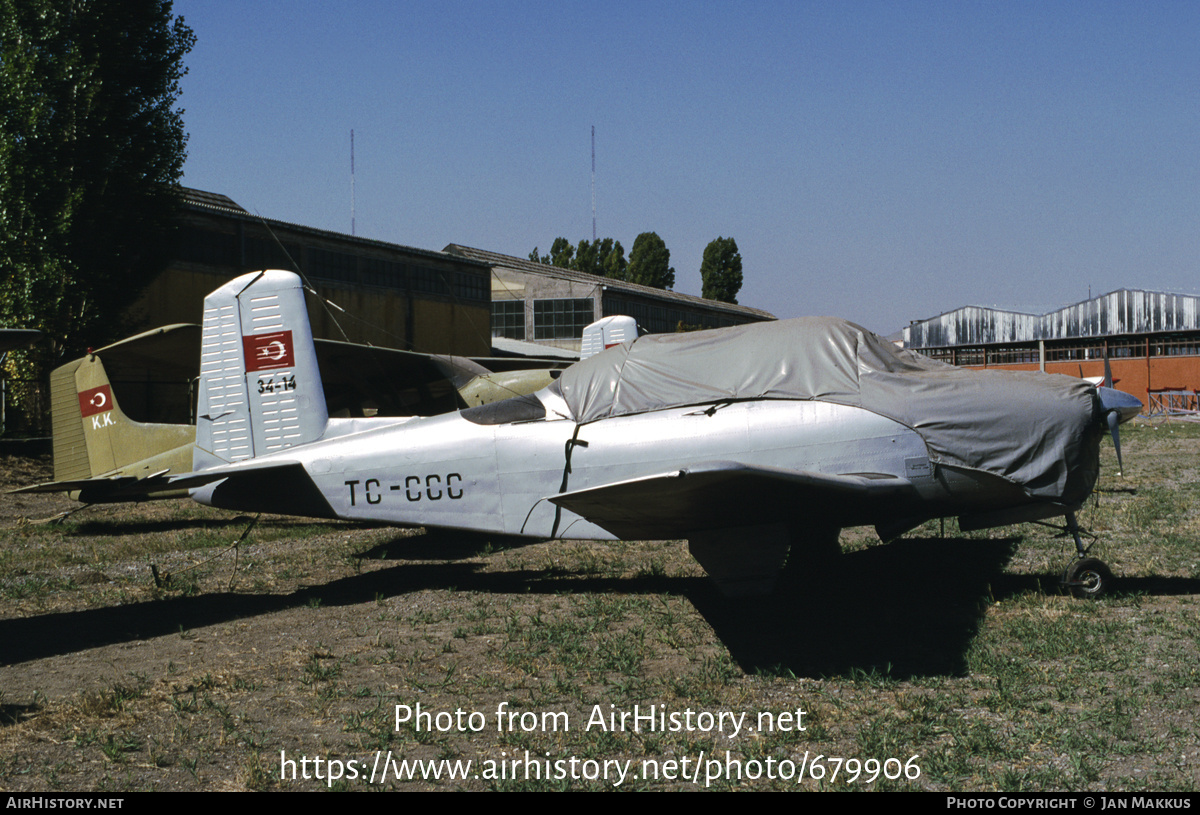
(1022, 426)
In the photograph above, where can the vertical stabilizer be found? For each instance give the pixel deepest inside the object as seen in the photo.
(92, 435)
(260, 389)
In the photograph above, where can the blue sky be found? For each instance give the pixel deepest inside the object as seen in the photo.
(881, 162)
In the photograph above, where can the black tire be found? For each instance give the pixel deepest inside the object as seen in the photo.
(1088, 578)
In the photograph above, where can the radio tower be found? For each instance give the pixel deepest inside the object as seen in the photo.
(351, 181)
(593, 183)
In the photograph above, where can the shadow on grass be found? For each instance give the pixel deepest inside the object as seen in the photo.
(103, 527)
(445, 544)
(906, 609)
(113, 528)
(14, 713)
(909, 608)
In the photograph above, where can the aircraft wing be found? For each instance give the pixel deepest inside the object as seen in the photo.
(719, 494)
(358, 379)
(13, 338)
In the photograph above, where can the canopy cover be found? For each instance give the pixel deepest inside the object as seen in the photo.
(1023, 426)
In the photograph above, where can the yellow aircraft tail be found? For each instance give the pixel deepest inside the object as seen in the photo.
(93, 438)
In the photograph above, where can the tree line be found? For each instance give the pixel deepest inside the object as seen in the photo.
(92, 146)
(649, 263)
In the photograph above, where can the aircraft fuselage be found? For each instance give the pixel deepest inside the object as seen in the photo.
(448, 471)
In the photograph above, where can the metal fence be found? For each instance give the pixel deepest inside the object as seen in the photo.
(1167, 346)
(1173, 403)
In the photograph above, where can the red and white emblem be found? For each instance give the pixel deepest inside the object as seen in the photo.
(95, 400)
(264, 352)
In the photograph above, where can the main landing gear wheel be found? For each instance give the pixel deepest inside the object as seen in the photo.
(1088, 577)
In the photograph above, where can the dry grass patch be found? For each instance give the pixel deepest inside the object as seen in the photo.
(960, 650)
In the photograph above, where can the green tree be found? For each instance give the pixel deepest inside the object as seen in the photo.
(587, 257)
(604, 257)
(721, 271)
(562, 253)
(650, 262)
(612, 259)
(91, 151)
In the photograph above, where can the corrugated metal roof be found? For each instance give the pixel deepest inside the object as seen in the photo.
(210, 201)
(546, 270)
(1125, 311)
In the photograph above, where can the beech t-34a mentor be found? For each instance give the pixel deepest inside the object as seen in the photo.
(745, 441)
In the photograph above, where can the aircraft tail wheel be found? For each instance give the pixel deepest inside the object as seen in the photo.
(1088, 577)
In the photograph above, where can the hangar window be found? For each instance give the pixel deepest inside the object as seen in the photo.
(508, 319)
(263, 253)
(940, 354)
(472, 286)
(330, 265)
(427, 280)
(384, 273)
(659, 319)
(562, 319)
(199, 245)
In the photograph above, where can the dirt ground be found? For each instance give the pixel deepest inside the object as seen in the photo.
(141, 650)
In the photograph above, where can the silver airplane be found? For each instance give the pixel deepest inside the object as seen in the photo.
(748, 442)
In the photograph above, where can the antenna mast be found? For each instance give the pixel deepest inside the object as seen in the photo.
(352, 181)
(593, 183)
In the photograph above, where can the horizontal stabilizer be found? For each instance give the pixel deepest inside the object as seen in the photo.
(202, 477)
(115, 482)
(110, 489)
(282, 487)
(718, 494)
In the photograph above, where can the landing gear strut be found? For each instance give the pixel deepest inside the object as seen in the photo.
(1086, 576)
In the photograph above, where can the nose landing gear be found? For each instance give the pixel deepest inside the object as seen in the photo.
(1086, 576)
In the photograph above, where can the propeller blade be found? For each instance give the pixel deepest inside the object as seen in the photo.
(1113, 418)
(1118, 407)
(1108, 381)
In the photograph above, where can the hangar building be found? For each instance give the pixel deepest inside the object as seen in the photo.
(1152, 340)
(454, 301)
(395, 296)
(549, 305)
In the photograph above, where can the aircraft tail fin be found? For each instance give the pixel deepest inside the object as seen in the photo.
(92, 435)
(260, 388)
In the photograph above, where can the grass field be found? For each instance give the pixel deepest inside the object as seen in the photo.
(958, 658)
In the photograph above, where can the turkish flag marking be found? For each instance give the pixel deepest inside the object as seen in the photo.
(265, 352)
(95, 400)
